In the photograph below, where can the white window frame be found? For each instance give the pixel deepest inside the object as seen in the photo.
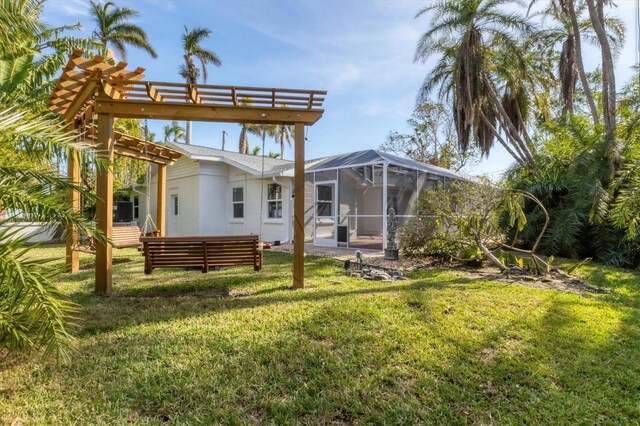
(136, 207)
(175, 205)
(276, 200)
(233, 203)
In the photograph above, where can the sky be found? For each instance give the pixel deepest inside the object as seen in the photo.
(360, 51)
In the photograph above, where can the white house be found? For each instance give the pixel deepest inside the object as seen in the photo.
(215, 192)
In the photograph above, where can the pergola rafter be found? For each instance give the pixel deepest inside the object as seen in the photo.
(132, 147)
(90, 86)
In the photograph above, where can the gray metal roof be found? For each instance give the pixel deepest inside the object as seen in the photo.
(277, 167)
(250, 163)
(372, 156)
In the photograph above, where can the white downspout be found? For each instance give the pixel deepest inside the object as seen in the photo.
(289, 211)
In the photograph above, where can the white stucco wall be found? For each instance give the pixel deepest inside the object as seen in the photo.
(182, 181)
(213, 194)
(255, 196)
(36, 231)
(204, 191)
(370, 203)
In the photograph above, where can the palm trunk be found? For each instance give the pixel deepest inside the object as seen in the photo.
(596, 14)
(583, 75)
(187, 138)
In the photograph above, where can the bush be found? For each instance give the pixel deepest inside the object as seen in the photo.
(455, 222)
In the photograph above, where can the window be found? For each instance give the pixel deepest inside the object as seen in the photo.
(175, 205)
(136, 207)
(274, 201)
(238, 203)
(324, 201)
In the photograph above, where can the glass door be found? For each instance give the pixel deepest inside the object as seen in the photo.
(325, 223)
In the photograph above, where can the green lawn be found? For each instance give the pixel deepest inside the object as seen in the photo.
(238, 347)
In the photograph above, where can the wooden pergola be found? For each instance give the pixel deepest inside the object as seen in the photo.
(90, 87)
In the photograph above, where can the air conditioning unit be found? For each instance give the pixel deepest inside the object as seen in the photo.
(123, 211)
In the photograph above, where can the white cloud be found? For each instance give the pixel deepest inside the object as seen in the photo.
(74, 8)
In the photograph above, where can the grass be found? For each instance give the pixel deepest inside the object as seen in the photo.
(239, 347)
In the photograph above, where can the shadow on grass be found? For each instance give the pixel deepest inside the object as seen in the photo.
(566, 360)
(440, 349)
(333, 365)
(344, 362)
(151, 305)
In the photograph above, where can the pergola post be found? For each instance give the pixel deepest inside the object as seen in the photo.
(298, 208)
(161, 204)
(104, 203)
(73, 175)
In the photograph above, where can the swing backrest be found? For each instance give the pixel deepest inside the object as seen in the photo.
(201, 252)
(125, 236)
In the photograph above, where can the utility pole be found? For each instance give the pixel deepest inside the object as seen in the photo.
(224, 133)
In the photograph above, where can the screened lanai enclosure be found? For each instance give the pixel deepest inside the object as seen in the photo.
(349, 197)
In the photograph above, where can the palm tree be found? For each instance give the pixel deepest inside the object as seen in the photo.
(259, 130)
(34, 313)
(243, 143)
(113, 28)
(29, 46)
(192, 47)
(612, 154)
(470, 37)
(173, 132)
(282, 134)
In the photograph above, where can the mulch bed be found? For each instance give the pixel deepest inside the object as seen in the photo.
(554, 280)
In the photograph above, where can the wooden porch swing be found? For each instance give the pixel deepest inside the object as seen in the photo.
(126, 236)
(89, 86)
(205, 252)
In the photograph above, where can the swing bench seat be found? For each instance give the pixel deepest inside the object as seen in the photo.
(201, 252)
(125, 236)
(121, 237)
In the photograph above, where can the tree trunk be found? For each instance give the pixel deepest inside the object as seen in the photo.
(583, 75)
(490, 255)
(281, 146)
(596, 14)
(187, 138)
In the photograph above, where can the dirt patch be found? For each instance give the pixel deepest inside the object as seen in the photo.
(488, 355)
(554, 280)
(415, 305)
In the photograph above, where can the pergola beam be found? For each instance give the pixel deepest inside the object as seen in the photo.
(132, 147)
(201, 112)
(81, 98)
